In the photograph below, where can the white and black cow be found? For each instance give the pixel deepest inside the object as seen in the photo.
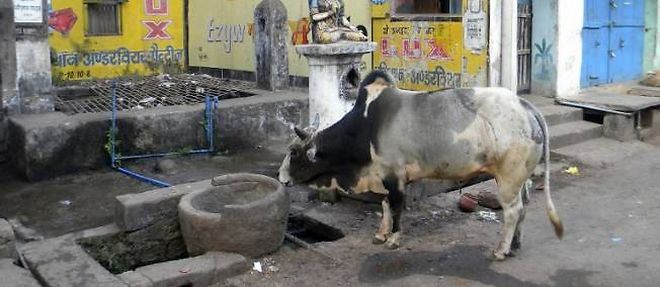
(392, 137)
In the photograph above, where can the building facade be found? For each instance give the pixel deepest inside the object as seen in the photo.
(582, 44)
(96, 39)
(424, 46)
(222, 36)
(429, 45)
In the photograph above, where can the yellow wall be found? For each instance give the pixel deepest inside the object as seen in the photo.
(235, 50)
(428, 55)
(135, 51)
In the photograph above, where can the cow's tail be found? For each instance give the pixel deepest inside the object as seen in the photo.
(550, 206)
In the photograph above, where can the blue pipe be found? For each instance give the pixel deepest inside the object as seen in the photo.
(113, 129)
(143, 178)
(162, 154)
(211, 105)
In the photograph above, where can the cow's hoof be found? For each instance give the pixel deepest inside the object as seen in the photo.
(392, 245)
(393, 241)
(378, 241)
(498, 256)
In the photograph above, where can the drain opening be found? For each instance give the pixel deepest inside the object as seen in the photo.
(312, 231)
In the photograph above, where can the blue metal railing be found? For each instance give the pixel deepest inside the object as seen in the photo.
(211, 104)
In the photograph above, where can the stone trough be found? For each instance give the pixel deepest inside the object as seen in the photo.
(242, 213)
(145, 245)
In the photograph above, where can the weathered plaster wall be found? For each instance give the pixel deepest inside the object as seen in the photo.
(151, 41)
(569, 47)
(428, 54)
(557, 47)
(222, 34)
(651, 38)
(7, 53)
(656, 61)
(31, 66)
(544, 47)
(495, 43)
(34, 77)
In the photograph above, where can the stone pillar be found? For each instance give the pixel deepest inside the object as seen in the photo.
(31, 65)
(620, 127)
(270, 19)
(7, 53)
(510, 44)
(329, 66)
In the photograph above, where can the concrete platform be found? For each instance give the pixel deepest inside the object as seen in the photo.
(48, 145)
(613, 100)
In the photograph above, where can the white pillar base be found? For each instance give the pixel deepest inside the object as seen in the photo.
(328, 66)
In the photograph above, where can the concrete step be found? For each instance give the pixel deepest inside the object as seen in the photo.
(573, 132)
(556, 114)
(539, 101)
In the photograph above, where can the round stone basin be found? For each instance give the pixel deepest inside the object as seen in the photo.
(239, 213)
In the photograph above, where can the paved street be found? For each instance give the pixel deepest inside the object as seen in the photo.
(612, 237)
(610, 213)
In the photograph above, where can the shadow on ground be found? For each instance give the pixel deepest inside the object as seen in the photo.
(467, 262)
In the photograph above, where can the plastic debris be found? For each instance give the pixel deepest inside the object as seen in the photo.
(573, 170)
(487, 216)
(184, 270)
(66, 202)
(257, 267)
(616, 239)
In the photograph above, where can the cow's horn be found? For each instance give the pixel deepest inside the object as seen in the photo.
(301, 133)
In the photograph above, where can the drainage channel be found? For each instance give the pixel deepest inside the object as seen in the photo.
(310, 230)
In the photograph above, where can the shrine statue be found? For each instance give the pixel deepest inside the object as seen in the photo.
(330, 25)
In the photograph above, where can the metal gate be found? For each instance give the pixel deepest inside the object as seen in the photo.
(524, 47)
(612, 41)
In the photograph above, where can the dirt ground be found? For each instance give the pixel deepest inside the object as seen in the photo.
(86, 200)
(611, 215)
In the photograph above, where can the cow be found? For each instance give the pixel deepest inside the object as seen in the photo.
(392, 137)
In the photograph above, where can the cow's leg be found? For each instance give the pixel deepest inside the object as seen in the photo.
(396, 198)
(511, 174)
(511, 201)
(517, 235)
(385, 228)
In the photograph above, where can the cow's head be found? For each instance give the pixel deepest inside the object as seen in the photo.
(303, 163)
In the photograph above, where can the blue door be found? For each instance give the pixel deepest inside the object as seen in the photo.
(612, 41)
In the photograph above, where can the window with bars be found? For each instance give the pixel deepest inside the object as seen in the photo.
(103, 17)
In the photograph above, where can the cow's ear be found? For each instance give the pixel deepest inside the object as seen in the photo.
(301, 133)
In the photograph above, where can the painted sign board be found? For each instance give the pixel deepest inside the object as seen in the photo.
(150, 41)
(433, 53)
(28, 11)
